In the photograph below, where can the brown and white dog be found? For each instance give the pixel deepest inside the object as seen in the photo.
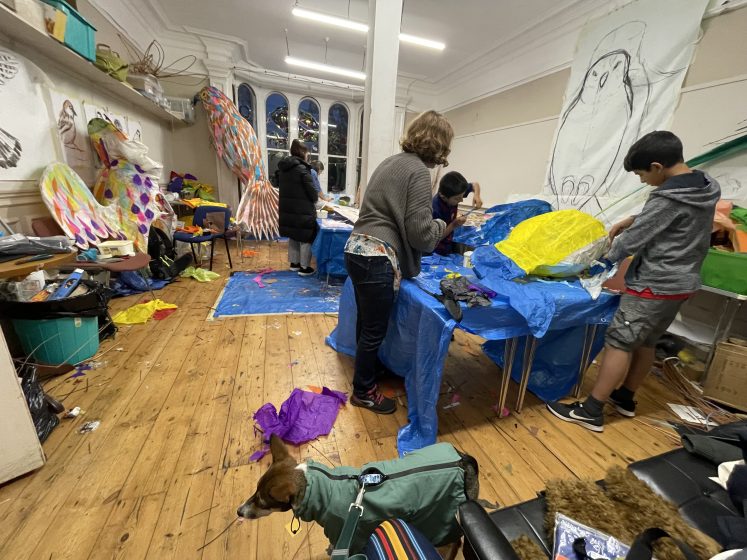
(288, 485)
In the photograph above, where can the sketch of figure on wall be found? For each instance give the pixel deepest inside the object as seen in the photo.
(602, 118)
(10, 146)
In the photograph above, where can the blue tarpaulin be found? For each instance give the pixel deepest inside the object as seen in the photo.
(328, 250)
(420, 331)
(283, 292)
(505, 217)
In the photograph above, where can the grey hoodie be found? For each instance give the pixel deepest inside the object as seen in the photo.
(671, 235)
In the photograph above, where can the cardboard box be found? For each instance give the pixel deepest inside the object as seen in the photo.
(727, 377)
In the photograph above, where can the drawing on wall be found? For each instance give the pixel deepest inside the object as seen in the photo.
(606, 109)
(624, 82)
(10, 147)
(134, 130)
(22, 123)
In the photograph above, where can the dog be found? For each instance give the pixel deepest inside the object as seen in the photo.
(424, 488)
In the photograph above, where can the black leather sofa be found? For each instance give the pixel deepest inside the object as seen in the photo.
(678, 475)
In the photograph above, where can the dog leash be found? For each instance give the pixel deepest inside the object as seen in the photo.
(370, 477)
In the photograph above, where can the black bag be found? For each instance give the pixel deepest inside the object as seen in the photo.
(44, 419)
(164, 264)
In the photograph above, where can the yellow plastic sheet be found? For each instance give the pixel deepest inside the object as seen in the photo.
(199, 274)
(548, 239)
(140, 313)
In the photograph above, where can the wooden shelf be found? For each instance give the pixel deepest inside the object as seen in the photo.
(21, 32)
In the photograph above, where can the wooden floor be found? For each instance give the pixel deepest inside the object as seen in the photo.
(169, 464)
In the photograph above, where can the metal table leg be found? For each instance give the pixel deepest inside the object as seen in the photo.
(526, 369)
(508, 363)
(590, 334)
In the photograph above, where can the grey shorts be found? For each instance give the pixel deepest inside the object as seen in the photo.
(640, 322)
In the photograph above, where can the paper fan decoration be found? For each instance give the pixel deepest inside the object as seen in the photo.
(236, 143)
(74, 208)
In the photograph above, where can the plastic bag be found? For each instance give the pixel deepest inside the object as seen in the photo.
(19, 244)
(561, 243)
(44, 419)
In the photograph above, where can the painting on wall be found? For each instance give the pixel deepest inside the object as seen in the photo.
(71, 127)
(134, 130)
(26, 142)
(625, 81)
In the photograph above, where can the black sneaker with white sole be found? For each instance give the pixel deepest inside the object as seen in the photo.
(374, 401)
(576, 413)
(624, 406)
(295, 267)
(308, 271)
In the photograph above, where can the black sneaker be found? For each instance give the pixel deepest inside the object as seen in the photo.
(626, 407)
(308, 271)
(295, 267)
(575, 413)
(375, 402)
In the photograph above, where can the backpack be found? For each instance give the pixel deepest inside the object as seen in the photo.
(164, 264)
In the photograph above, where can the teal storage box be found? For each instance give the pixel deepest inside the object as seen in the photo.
(68, 340)
(80, 36)
(725, 270)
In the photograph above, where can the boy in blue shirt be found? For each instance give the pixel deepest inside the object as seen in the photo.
(452, 190)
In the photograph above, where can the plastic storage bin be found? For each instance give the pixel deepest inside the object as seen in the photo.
(80, 36)
(725, 270)
(67, 340)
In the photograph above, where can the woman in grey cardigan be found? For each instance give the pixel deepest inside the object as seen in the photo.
(394, 229)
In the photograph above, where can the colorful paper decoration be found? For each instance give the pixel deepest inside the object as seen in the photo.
(74, 208)
(124, 186)
(236, 143)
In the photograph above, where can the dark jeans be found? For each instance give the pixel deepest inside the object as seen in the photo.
(373, 281)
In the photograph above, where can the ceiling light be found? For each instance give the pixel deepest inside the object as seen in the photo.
(362, 27)
(293, 61)
(331, 20)
(405, 38)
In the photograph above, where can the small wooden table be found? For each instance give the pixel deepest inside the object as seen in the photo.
(10, 269)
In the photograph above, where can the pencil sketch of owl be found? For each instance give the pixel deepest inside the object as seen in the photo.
(67, 127)
(592, 128)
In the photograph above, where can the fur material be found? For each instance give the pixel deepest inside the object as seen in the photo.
(625, 507)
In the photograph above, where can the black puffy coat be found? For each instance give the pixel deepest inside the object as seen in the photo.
(297, 200)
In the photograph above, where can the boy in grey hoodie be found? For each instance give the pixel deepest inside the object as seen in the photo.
(670, 239)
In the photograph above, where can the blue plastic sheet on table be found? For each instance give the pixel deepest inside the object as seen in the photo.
(329, 250)
(420, 331)
(505, 218)
(555, 368)
(489, 262)
(130, 282)
(284, 292)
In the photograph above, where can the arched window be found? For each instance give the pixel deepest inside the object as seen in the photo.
(337, 147)
(308, 124)
(276, 107)
(247, 102)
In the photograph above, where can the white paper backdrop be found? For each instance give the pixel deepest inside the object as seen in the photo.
(625, 81)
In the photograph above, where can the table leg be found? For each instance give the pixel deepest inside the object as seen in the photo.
(590, 333)
(526, 369)
(508, 363)
(723, 330)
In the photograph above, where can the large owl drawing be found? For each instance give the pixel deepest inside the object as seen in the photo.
(592, 128)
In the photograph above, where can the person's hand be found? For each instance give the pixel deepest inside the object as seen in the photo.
(621, 226)
(603, 265)
(459, 221)
(477, 201)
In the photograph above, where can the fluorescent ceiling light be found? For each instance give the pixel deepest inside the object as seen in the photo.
(293, 61)
(362, 27)
(331, 20)
(405, 38)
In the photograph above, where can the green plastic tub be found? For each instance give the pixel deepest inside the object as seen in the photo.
(68, 340)
(725, 270)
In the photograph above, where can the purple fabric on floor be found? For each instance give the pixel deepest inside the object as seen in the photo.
(304, 416)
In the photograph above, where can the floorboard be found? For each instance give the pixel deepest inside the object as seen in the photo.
(163, 474)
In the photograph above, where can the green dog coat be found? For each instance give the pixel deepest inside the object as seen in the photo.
(424, 488)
